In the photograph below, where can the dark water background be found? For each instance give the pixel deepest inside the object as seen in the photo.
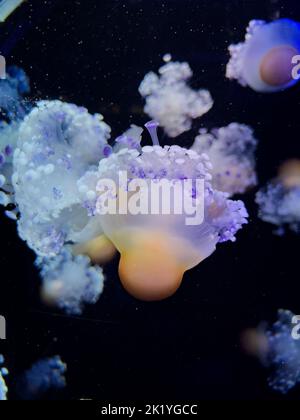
(95, 53)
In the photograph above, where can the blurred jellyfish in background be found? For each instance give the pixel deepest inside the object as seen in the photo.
(279, 200)
(69, 281)
(278, 350)
(13, 110)
(7, 7)
(58, 143)
(156, 249)
(12, 91)
(169, 99)
(3, 387)
(264, 61)
(231, 152)
(43, 376)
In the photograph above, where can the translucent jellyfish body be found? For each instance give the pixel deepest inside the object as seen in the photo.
(7, 7)
(12, 91)
(44, 375)
(231, 152)
(169, 99)
(279, 201)
(69, 281)
(157, 247)
(3, 387)
(264, 60)
(13, 108)
(8, 140)
(58, 143)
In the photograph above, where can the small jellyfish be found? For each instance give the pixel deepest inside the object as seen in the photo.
(231, 152)
(279, 200)
(44, 375)
(3, 387)
(69, 282)
(264, 61)
(12, 91)
(169, 99)
(278, 350)
(156, 248)
(58, 143)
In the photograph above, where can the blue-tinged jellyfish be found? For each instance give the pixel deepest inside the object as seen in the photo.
(231, 151)
(278, 350)
(69, 282)
(279, 200)
(13, 108)
(7, 7)
(264, 61)
(13, 90)
(3, 387)
(44, 375)
(170, 100)
(156, 248)
(58, 142)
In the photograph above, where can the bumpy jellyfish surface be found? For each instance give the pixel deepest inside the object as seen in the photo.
(69, 282)
(170, 100)
(264, 61)
(12, 91)
(8, 141)
(3, 387)
(44, 375)
(279, 200)
(158, 246)
(231, 152)
(283, 353)
(57, 144)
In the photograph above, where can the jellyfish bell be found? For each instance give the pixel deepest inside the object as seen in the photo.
(264, 61)
(276, 66)
(158, 246)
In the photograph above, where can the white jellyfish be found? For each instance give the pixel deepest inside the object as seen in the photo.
(264, 61)
(69, 282)
(169, 99)
(279, 200)
(58, 143)
(157, 248)
(231, 153)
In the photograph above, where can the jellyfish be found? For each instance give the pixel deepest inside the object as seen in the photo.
(279, 200)
(58, 142)
(3, 387)
(14, 108)
(69, 281)
(231, 152)
(43, 376)
(264, 62)
(13, 89)
(278, 350)
(157, 248)
(169, 99)
(7, 7)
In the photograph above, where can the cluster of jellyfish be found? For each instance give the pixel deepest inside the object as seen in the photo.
(54, 154)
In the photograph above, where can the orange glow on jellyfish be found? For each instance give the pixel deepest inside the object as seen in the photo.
(157, 248)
